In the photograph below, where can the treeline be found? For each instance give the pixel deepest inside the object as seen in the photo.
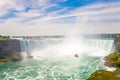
(4, 37)
(104, 36)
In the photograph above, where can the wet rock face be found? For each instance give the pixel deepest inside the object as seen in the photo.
(10, 48)
(117, 44)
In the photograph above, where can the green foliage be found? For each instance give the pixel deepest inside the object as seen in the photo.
(117, 70)
(113, 59)
(117, 38)
(104, 75)
(4, 37)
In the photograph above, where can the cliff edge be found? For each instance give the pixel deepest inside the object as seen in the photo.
(9, 50)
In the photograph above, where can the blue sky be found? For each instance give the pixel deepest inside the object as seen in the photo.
(55, 5)
(43, 17)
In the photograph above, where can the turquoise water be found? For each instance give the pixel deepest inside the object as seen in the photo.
(54, 59)
(64, 68)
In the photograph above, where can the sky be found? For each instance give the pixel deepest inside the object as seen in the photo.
(59, 17)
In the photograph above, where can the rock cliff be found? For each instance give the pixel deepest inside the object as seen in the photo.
(9, 50)
(117, 44)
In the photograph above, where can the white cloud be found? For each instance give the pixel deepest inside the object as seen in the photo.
(5, 5)
(47, 28)
(29, 14)
(97, 13)
(20, 5)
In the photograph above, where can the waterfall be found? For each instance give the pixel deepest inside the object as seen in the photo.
(104, 44)
(51, 47)
(29, 46)
(68, 58)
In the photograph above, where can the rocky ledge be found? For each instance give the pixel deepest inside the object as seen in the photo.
(112, 60)
(9, 50)
(104, 75)
(117, 44)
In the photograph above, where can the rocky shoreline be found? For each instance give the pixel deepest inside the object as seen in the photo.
(112, 60)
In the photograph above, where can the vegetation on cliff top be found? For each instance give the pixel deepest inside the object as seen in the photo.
(4, 37)
(112, 60)
(104, 75)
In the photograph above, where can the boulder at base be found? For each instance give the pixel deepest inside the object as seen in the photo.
(104, 75)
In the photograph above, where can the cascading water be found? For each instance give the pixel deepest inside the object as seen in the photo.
(29, 46)
(101, 47)
(66, 47)
(53, 59)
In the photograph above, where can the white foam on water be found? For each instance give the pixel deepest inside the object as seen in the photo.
(69, 46)
(110, 68)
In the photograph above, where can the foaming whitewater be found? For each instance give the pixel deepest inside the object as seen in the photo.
(66, 46)
(53, 59)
